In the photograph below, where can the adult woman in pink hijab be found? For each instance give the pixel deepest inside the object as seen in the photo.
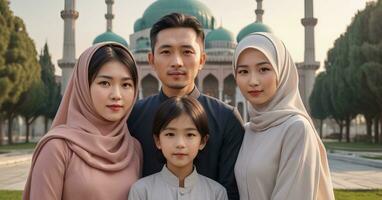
(281, 156)
(89, 153)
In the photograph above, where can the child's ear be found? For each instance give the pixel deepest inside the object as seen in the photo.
(203, 142)
(157, 142)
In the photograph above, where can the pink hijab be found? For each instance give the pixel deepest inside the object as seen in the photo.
(104, 145)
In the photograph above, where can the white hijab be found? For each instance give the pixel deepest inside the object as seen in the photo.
(287, 100)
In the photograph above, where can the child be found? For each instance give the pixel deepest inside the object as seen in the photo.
(180, 130)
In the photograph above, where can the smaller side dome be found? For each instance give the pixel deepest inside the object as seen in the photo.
(220, 38)
(252, 28)
(109, 36)
(220, 34)
(138, 25)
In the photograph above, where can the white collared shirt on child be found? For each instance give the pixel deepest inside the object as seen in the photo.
(164, 185)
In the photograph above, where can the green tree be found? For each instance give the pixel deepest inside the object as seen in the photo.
(31, 102)
(373, 53)
(5, 83)
(353, 68)
(342, 95)
(53, 99)
(333, 76)
(315, 100)
(20, 67)
(361, 52)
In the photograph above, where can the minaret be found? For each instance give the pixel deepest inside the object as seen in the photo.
(109, 15)
(69, 15)
(310, 65)
(259, 11)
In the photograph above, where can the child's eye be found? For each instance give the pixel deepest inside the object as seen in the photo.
(169, 134)
(191, 134)
(127, 85)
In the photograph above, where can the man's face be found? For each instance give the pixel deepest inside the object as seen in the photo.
(177, 59)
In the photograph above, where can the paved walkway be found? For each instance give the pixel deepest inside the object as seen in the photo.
(345, 173)
(13, 177)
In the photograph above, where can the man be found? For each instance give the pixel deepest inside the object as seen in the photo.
(177, 54)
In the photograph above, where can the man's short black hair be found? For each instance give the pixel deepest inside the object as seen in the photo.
(175, 20)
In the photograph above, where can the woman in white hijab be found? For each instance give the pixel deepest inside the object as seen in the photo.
(282, 156)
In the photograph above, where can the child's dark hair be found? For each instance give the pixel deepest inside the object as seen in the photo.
(176, 106)
(175, 20)
(112, 52)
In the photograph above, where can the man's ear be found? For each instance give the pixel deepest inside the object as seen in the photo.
(150, 58)
(202, 62)
(157, 142)
(203, 142)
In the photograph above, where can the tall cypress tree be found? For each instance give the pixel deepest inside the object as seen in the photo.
(315, 102)
(52, 87)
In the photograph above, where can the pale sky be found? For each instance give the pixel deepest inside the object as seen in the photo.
(43, 21)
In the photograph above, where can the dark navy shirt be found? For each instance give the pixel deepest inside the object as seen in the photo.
(216, 160)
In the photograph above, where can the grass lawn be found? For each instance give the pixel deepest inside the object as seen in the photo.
(17, 146)
(353, 146)
(10, 195)
(358, 194)
(340, 195)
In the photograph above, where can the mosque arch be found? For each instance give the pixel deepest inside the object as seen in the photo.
(211, 86)
(229, 90)
(150, 85)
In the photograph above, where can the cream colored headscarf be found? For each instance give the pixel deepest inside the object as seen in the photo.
(287, 100)
(102, 144)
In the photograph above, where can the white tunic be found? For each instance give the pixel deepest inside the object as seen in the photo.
(282, 162)
(164, 185)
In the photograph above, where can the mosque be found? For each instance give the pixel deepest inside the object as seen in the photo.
(216, 78)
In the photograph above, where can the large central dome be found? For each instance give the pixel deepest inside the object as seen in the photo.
(161, 8)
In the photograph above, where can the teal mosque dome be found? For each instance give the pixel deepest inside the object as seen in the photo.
(109, 36)
(220, 34)
(252, 28)
(220, 38)
(161, 8)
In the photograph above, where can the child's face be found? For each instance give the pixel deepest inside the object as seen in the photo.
(180, 142)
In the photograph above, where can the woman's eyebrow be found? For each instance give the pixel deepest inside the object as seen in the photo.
(262, 63)
(241, 66)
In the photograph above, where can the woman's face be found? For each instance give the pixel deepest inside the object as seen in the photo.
(256, 77)
(112, 91)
